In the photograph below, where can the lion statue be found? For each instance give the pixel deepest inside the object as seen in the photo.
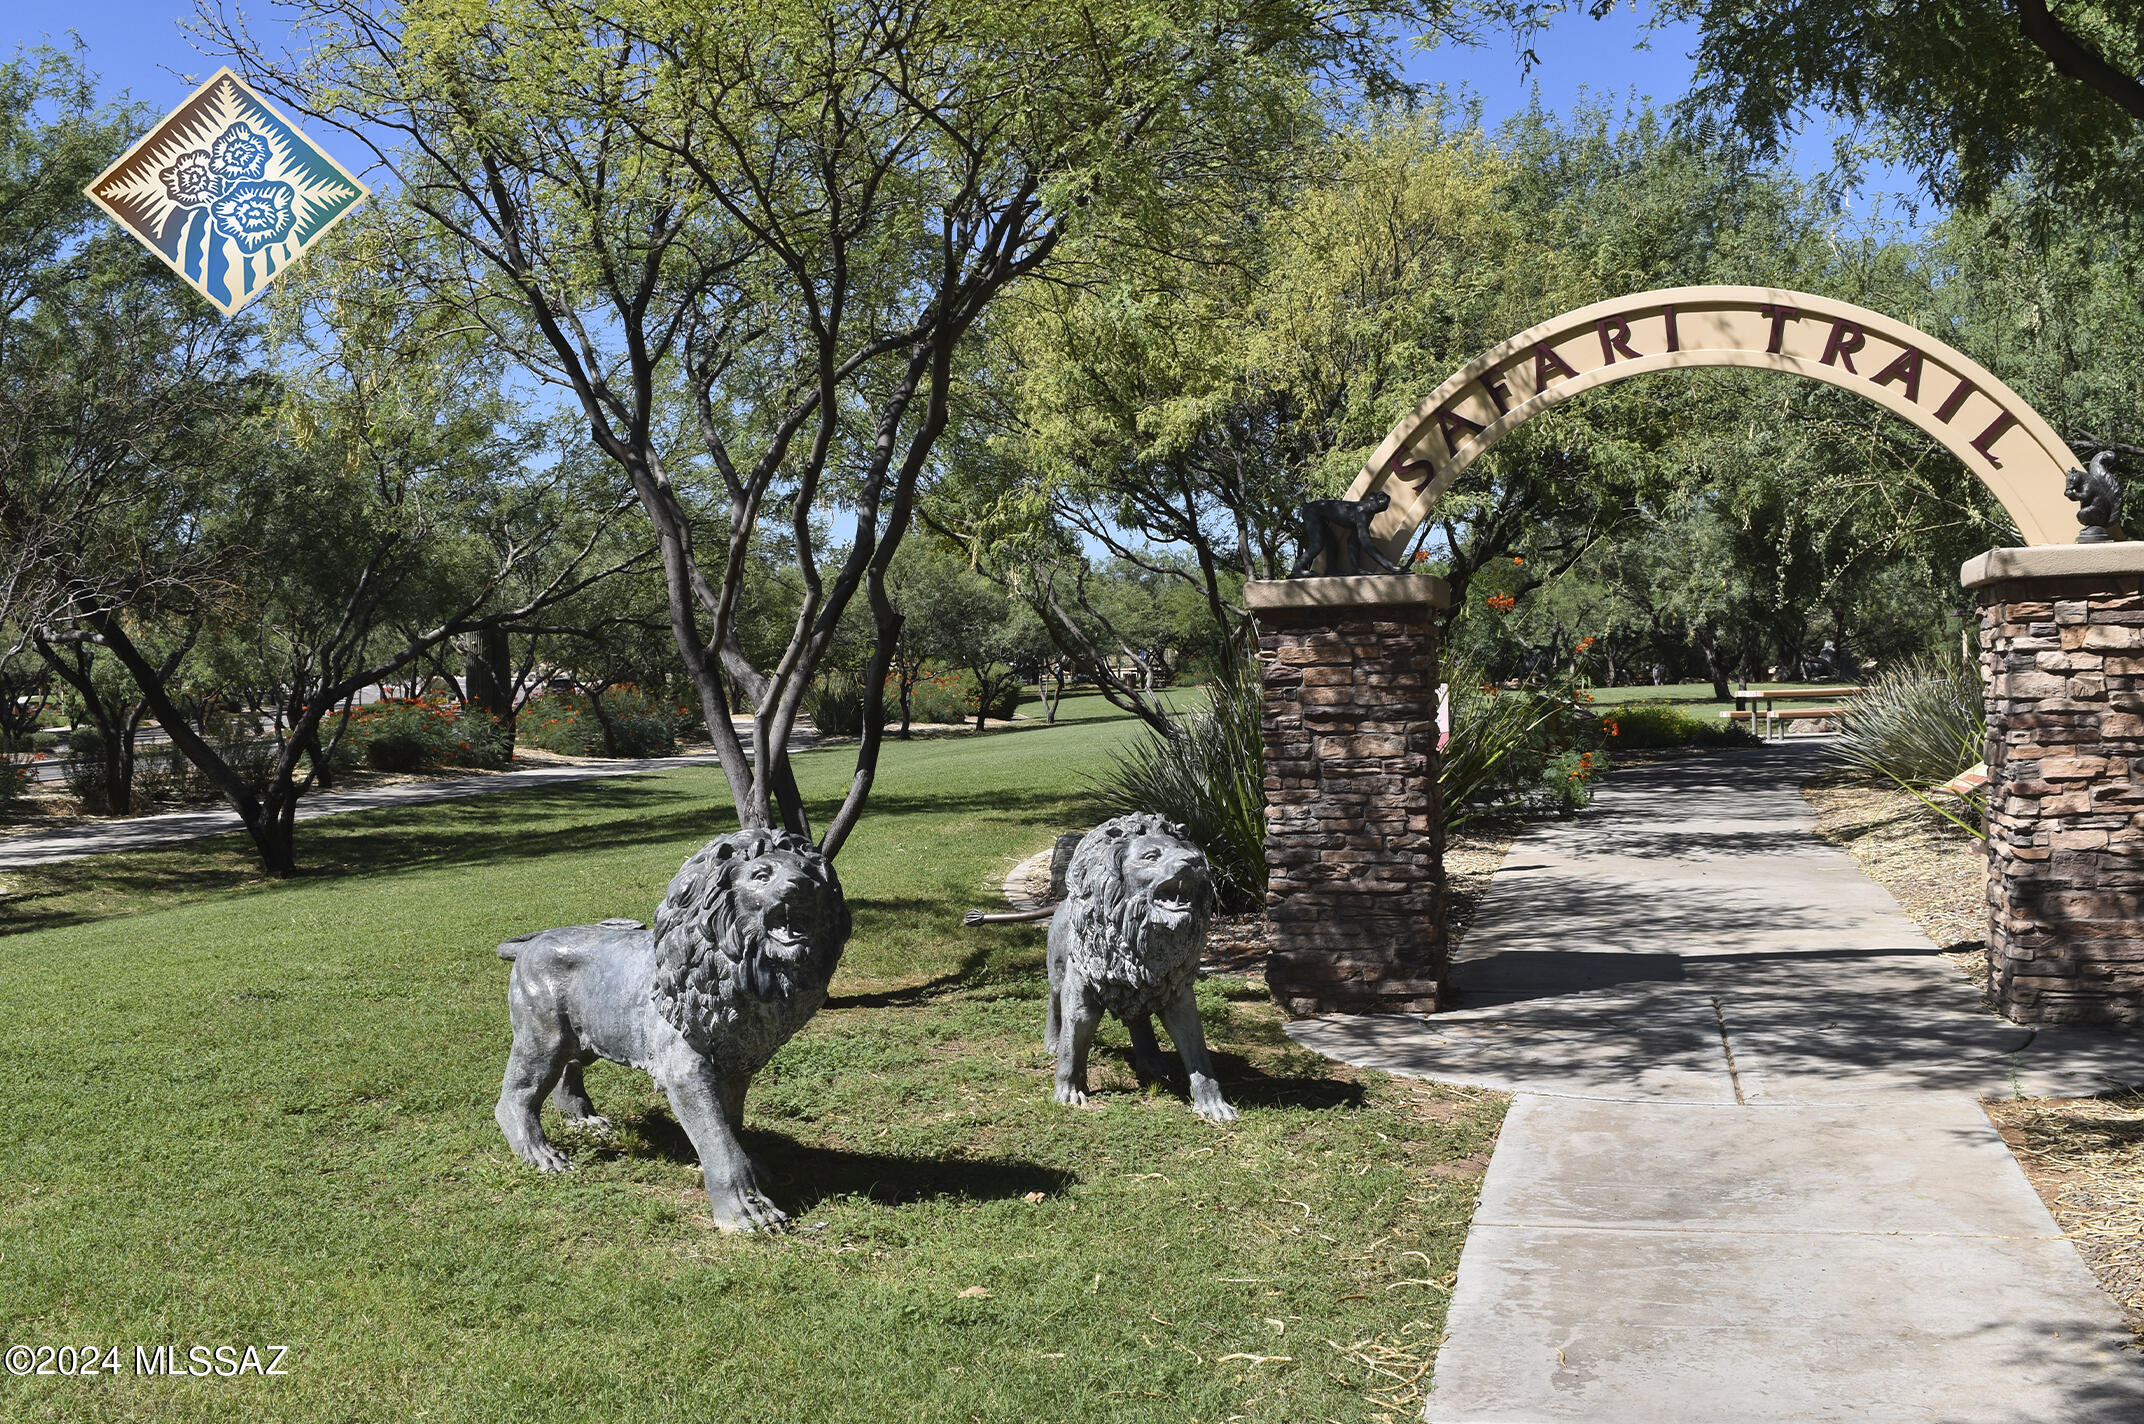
(744, 944)
(2097, 492)
(1127, 940)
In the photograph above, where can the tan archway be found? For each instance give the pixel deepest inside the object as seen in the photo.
(1907, 372)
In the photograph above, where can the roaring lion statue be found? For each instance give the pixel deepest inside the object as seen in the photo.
(1126, 940)
(744, 944)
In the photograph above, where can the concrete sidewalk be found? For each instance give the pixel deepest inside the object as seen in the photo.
(145, 832)
(1745, 1177)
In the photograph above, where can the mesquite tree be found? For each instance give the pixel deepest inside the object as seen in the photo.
(749, 238)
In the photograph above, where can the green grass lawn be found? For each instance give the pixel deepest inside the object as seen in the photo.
(238, 1111)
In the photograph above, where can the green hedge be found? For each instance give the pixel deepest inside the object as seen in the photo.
(1639, 725)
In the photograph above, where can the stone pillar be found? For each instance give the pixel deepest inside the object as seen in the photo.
(1354, 835)
(2062, 648)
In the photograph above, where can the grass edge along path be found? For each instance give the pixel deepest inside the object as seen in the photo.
(255, 1113)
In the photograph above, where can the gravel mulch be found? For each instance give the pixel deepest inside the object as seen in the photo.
(2085, 1156)
(1472, 856)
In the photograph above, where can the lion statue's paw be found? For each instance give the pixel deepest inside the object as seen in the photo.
(1215, 1109)
(749, 1211)
(546, 1158)
(1071, 1097)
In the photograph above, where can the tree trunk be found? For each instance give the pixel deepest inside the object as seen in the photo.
(1710, 647)
(1054, 672)
(594, 694)
(489, 676)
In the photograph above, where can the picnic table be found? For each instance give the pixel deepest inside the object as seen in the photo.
(1771, 697)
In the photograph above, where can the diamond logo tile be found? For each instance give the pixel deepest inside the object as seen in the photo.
(227, 192)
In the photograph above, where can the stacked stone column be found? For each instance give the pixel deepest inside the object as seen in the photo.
(1354, 836)
(2062, 647)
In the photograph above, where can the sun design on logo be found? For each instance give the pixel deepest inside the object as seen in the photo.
(227, 192)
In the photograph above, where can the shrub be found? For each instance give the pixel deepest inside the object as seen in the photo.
(948, 698)
(565, 722)
(941, 699)
(1208, 775)
(85, 781)
(1009, 695)
(1517, 749)
(403, 734)
(1639, 725)
(15, 782)
(1919, 725)
(836, 705)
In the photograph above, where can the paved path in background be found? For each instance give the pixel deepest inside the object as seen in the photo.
(145, 832)
(1745, 1177)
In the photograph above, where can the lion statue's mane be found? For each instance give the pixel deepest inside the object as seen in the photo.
(1109, 934)
(1139, 898)
(718, 979)
(745, 943)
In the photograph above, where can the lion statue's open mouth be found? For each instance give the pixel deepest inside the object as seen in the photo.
(1177, 899)
(744, 945)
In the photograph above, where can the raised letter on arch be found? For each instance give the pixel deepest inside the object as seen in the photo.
(1846, 339)
(1547, 363)
(1993, 433)
(1449, 421)
(1906, 369)
(1780, 317)
(1614, 332)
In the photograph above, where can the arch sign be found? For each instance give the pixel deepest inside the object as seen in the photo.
(1976, 417)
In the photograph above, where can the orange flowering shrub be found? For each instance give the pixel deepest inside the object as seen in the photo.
(405, 733)
(642, 724)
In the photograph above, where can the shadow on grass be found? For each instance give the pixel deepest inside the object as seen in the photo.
(478, 830)
(802, 1177)
(1243, 1083)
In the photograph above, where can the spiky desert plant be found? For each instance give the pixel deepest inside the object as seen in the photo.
(1208, 775)
(1919, 725)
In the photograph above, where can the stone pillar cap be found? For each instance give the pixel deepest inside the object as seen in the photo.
(1357, 591)
(2053, 561)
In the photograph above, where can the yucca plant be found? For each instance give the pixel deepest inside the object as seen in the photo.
(1208, 775)
(1920, 725)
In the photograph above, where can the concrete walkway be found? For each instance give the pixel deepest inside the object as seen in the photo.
(145, 832)
(1745, 1177)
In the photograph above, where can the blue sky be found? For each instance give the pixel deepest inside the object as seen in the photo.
(138, 46)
